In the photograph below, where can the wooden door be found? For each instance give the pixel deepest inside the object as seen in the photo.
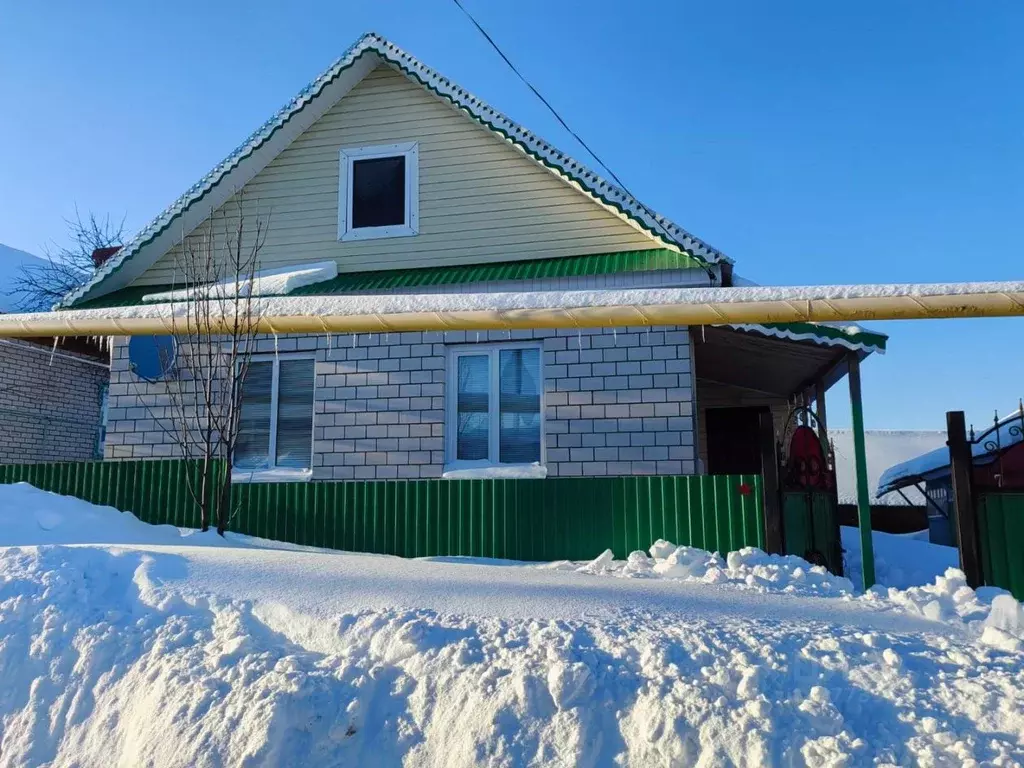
(733, 440)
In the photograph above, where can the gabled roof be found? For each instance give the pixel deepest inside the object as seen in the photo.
(273, 136)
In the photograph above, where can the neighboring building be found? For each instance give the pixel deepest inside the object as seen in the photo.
(52, 400)
(399, 181)
(998, 462)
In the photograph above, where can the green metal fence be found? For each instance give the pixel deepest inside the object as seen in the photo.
(1001, 533)
(551, 519)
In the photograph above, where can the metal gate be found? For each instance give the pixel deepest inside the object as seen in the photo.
(810, 509)
(987, 480)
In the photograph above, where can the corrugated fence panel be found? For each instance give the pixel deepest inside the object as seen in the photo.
(551, 519)
(1001, 531)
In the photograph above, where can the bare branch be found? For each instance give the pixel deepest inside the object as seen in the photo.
(64, 268)
(216, 266)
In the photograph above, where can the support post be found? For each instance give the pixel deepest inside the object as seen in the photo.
(773, 532)
(961, 469)
(819, 402)
(867, 549)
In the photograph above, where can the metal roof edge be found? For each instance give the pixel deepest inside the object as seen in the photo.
(858, 341)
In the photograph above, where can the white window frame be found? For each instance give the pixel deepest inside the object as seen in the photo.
(346, 157)
(272, 472)
(452, 399)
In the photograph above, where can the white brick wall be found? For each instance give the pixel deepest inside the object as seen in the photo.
(49, 407)
(617, 402)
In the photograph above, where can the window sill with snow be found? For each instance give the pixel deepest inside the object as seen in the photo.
(276, 475)
(500, 471)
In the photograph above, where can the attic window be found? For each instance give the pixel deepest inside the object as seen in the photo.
(378, 192)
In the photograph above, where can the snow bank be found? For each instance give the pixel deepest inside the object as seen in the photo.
(749, 568)
(166, 654)
(901, 560)
(29, 516)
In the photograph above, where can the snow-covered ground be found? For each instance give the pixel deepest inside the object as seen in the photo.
(127, 644)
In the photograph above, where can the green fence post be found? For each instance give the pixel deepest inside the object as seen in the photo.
(867, 549)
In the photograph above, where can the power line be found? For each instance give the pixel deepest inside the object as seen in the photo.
(544, 101)
(558, 117)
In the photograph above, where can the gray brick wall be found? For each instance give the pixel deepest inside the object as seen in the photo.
(617, 402)
(49, 409)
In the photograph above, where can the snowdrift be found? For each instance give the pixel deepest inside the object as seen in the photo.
(137, 647)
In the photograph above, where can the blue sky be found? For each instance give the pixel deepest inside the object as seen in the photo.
(813, 142)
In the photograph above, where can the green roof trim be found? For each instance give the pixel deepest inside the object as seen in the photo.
(849, 336)
(386, 280)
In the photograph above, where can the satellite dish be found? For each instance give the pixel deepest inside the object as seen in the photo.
(151, 357)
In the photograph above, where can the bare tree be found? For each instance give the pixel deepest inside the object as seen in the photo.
(218, 266)
(64, 268)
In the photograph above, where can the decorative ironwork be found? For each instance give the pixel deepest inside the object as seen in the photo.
(808, 462)
(1004, 434)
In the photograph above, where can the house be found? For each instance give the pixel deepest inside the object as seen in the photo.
(53, 392)
(53, 400)
(384, 176)
(998, 463)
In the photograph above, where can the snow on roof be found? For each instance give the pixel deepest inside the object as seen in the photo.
(267, 282)
(560, 164)
(1006, 432)
(847, 334)
(884, 447)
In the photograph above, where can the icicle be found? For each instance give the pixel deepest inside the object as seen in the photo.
(275, 345)
(353, 341)
(615, 338)
(53, 351)
(579, 338)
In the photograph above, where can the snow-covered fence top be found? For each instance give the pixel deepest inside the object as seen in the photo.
(550, 309)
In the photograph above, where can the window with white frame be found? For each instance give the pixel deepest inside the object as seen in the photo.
(378, 191)
(494, 405)
(275, 429)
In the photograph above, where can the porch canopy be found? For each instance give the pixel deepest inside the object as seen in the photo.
(744, 370)
(781, 360)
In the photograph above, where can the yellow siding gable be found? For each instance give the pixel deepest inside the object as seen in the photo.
(480, 198)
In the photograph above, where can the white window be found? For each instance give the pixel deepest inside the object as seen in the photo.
(378, 192)
(494, 405)
(275, 432)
